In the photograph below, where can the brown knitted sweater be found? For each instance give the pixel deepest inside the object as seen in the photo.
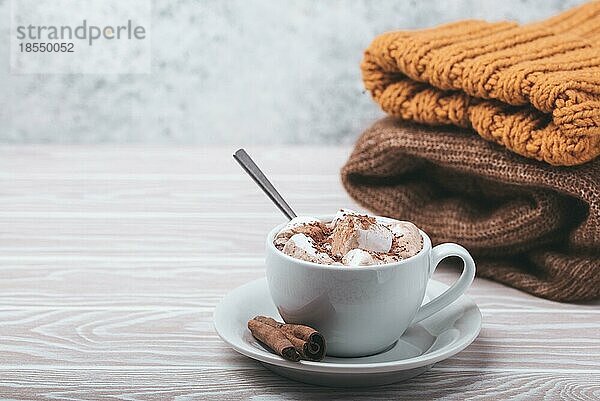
(528, 224)
(534, 89)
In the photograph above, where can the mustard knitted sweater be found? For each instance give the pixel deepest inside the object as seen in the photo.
(534, 88)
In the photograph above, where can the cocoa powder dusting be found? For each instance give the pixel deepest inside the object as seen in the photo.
(323, 234)
(316, 231)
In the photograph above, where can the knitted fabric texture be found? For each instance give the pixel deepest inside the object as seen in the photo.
(529, 225)
(534, 89)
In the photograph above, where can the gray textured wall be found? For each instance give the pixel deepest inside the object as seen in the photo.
(235, 72)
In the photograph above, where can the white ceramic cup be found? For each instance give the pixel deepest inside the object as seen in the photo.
(361, 310)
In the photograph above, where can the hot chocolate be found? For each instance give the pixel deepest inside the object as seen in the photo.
(350, 239)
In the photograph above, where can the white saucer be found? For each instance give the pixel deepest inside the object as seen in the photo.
(432, 340)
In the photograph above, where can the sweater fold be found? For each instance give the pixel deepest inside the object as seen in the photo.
(534, 88)
(530, 225)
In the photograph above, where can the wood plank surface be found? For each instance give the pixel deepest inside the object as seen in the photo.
(253, 382)
(112, 260)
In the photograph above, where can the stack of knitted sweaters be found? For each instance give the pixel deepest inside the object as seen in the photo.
(492, 142)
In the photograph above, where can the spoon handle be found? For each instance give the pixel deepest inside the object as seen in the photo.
(263, 182)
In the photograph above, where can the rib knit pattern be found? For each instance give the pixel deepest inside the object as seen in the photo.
(534, 89)
(529, 225)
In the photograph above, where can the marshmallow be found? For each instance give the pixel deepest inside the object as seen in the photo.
(280, 242)
(360, 232)
(376, 238)
(409, 241)
(343, 213)
(344, 237)
(297, 222)
(301, 246)
(309, 226)
(358, 257)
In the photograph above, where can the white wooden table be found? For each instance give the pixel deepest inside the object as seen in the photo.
(113, 258)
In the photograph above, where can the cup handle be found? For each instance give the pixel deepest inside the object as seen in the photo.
(438, 253)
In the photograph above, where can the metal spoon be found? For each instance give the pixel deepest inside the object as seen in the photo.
(263, 182)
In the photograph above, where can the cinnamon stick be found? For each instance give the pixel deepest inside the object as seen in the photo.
(308, 342)
(274, 339)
